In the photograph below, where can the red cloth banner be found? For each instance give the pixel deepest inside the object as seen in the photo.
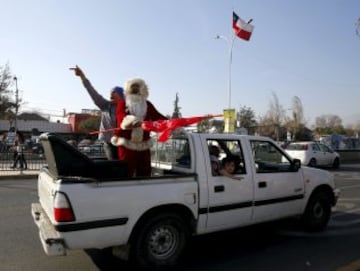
(166, 127)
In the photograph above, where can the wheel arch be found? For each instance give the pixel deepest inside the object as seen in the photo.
(178, 209)
(310, 163)
(326, 189)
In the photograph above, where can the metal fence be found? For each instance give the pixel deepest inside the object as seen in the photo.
(33, 161)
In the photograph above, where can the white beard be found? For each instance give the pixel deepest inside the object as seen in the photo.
(136, 105)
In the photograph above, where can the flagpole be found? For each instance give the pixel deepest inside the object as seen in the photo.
(230, 48)
(229, 114)
(242, 30)
(231, 45)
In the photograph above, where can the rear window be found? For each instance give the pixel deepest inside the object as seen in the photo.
(173, 152)
(297, 147)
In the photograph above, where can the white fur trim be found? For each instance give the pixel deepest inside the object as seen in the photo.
(117, 141)
(144, 90)
(135, 146)
(129, 119)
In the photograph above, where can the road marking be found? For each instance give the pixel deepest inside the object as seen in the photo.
(343, 205)
(349, 199)
(351, 211)
(349, 186)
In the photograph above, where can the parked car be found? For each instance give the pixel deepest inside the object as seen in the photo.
(313, 154)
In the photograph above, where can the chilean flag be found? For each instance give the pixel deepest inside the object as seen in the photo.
(242, 29)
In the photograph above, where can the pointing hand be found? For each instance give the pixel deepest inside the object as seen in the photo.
(78, 71)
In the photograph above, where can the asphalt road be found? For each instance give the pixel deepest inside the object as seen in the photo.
(267, 247)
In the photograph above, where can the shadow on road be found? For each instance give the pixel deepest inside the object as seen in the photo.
(206, 251)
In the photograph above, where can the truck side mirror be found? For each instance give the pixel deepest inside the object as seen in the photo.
(295, 164)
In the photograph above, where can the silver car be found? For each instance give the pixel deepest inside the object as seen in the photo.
(313, 154)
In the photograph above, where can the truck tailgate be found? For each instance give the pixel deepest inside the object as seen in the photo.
(105, 211)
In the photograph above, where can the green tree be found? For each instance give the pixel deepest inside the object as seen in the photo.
(90, 124)
(176, 114)
(7, 106)
(203, 126)
(247, 119)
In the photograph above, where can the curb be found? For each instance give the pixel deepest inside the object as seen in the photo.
(17, 176)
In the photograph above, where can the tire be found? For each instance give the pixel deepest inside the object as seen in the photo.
(336, 163)
(317, 212)
(160, 242)
(312, 162)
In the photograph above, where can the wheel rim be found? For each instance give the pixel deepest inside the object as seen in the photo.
(318, 210)
(163, 241)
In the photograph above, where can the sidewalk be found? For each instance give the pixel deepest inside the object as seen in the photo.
(17, 174)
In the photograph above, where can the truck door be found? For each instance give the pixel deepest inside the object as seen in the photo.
(279, 190)
(230, 200)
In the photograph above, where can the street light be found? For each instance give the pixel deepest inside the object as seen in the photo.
(16, 101)
(230, 47)
(229, 114)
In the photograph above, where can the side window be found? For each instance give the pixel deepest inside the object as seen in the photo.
(315, 147)
(324, 148)
(268, 157)
(223, 150)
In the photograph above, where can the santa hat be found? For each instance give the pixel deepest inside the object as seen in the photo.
(144, 91)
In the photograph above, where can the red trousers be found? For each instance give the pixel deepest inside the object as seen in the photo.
(139, 162)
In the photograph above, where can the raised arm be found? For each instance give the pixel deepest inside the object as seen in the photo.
(98, 100)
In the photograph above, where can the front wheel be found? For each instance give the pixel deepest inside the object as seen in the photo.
(312, 162)
(336, 163)
(317, 212)
(160, 241)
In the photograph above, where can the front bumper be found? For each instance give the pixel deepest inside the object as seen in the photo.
(51, 241)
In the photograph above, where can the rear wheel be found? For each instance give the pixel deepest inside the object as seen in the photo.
(160, 241)
(312, 162)
(317, 212)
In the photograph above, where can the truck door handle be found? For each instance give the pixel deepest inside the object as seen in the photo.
(262, 184)
(219, 188)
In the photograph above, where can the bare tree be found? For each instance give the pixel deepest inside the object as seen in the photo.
(276, 114)
(328, 124)
(298, 116)
(7, 106)
(357, 27)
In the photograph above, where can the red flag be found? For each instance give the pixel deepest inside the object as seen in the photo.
(166, 127)
(242, 29)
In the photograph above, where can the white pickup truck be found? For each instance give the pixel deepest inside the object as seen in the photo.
(90, 203)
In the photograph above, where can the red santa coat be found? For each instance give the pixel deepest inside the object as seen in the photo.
(134, 144)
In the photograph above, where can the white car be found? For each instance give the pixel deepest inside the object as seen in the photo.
(313, 154)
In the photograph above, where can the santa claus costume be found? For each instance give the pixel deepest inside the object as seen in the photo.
(133, 142)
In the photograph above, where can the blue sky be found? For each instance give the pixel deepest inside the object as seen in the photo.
(302, 48)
